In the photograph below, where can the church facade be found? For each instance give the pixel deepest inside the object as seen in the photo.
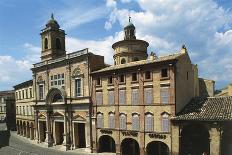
(61, 93)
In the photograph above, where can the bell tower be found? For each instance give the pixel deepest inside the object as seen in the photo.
(53, 41)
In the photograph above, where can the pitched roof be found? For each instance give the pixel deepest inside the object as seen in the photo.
(141, 62)
(207, 109)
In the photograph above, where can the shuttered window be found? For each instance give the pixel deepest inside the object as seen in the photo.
(111, 120)
(165, 123)
(165, 95)
(111, 97)
(148, 97)
(122, 118)
(100, 120)
(135, 122)
(122, 96)
(149, 122)
(99, 98)
(135, 96)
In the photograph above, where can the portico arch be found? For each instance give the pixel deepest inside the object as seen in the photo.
(130, 146)
(106, 144)
(157, 148)
(194, 140)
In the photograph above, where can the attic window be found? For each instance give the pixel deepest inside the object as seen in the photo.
(98, 81)
(122, 78)
(147, 75)
(110, 80)
(164, 73)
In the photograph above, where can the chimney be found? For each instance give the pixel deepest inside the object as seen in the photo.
(153, 56)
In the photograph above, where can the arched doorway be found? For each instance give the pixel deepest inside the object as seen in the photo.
(32, 131)
(28, 130)
(226, 146)
(194, 140)
(130, 146)
(106, 144)
(157, 148)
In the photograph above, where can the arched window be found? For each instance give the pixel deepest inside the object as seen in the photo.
(57, 98)
(135, 121)
(123, 61)
(122, 119)
(100, 120)
(111, 120)
(58, 44)
(165, 123)
(46, 43)
(149, 122)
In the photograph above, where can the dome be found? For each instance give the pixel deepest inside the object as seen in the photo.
(129, 25)
(52, 23)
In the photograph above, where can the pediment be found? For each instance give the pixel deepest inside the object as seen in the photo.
(79, 118)
(58, 114)
(41, 115)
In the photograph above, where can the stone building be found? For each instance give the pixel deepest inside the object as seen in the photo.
(4, 95)
(24, 99)
(227, 91)
(61, 85)
(134, 100)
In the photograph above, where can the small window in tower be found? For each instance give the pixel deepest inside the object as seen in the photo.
(58, 44)
(123, 61)
(46, 43)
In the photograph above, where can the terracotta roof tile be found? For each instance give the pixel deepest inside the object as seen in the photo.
(141, 62)
(207, 109)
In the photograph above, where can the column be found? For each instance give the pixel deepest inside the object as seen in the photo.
(48, 132)
(141, 101)
(214, 141)
(36, 127)
(116, 102)
(65, 132)
(175, 139)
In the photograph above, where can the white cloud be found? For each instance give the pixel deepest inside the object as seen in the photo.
(74, 17)
(100, 47)
(168, 24)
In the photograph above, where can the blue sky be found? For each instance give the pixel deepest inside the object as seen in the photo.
(205, 27)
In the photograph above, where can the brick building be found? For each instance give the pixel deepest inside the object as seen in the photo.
(134, 100)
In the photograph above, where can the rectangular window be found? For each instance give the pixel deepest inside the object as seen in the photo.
(135, 122)
(78, 87)
(164, 73)
(100, 121)
(23, 110)
(98, 81)
(41, 91)
(122, 78)
(165, 95)
(110, 80)
(165, 125)
(111, 97)
(99, 98)
(122, 96)
(148, 97)
(20, 95)
(31, 95)
(147, 75)
(148, 123)
(135, 96)
(57, 80)
(134, 77)
(23, 94)
(26, 93)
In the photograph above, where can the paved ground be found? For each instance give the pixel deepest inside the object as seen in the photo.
(12, 144)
